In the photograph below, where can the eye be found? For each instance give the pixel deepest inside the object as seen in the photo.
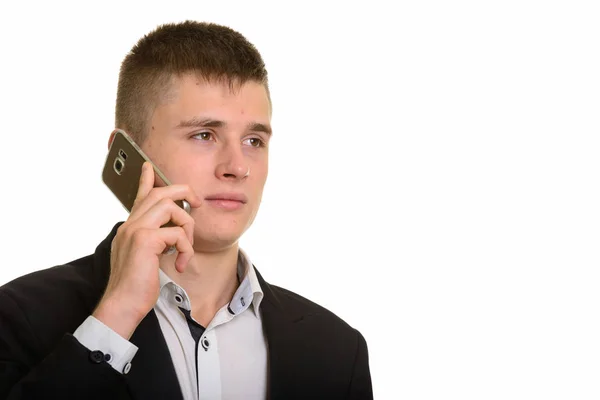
(203, 136)
(255, 142)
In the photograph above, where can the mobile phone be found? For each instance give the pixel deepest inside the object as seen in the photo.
(123, 168)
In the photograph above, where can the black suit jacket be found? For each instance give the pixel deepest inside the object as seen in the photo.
(312, 353)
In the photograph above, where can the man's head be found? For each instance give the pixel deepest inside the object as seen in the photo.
(210, 51)
(195, 97)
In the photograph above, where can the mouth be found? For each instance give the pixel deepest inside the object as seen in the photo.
(227, 201)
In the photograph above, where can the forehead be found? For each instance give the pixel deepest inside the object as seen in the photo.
(190, 96)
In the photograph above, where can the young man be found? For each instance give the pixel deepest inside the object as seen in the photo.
(133, 321)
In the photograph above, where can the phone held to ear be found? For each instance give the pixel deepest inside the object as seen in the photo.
(123, 169)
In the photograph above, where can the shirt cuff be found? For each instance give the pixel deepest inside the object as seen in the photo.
(118, 351)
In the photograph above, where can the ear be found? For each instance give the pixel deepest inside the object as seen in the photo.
(111, 138)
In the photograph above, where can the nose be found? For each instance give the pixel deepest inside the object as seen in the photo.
(232, 165)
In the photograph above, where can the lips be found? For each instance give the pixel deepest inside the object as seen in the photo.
(239, 197)
(227, 201)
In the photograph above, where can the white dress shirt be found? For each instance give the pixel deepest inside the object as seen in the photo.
(231, 354)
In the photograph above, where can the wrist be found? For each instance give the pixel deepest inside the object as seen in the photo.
(118, 316)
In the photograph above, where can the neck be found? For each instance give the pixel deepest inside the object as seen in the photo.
(210, 280)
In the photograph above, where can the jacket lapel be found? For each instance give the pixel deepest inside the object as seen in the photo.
(152, 374)
(287, 361)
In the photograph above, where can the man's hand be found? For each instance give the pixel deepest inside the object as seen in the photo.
(133, 287)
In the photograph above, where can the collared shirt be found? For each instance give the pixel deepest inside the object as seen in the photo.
(229, 359)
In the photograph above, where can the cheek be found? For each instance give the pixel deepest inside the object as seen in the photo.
(196, 174)
(263, 173)
(260, 166)
(257, 178)
(182, 169)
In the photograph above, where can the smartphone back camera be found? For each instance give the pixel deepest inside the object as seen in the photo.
(119, 165)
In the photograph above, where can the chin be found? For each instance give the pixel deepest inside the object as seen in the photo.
(216, 241)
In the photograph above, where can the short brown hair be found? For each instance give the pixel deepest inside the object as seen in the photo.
(211, 51)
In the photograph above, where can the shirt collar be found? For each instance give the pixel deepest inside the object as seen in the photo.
(249, 286)
(248, 292)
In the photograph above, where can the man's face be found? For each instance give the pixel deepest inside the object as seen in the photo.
(214, 139)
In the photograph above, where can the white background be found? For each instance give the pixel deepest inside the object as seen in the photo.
(433, 175)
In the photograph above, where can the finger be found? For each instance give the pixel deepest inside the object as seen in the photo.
(182, 261)
(182, 192)
(146, 182)
(173, 192)
(175, 236)
(166, 212)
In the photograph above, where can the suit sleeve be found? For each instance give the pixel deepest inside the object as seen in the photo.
(360, 385)
(69, 371)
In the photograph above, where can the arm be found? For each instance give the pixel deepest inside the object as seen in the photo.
(70, 369)
(68, 372)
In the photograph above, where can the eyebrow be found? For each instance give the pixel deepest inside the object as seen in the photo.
(213, 123)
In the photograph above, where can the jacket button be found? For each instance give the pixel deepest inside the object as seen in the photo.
(96, 356)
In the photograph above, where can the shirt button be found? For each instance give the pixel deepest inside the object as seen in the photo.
(107, 357)
(96, 356)
(205, 344)
(178, 299)
(127, 368)
(243, 302)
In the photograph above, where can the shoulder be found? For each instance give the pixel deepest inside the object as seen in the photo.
(303, 304)
(51, 282)
(298, 307)
(73, 284)
(302, 308)
(314, 336)
(56, 298)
